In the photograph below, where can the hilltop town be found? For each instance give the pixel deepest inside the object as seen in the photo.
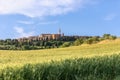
(47, 41)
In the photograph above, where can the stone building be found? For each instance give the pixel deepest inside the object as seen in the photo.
(43, 37)
(51, 36)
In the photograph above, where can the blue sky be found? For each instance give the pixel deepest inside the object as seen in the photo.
(23, 18)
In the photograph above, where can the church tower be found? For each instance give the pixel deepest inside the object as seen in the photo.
(59, 31)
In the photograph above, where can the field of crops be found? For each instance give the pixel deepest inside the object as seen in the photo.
(97, 68)
(81, 63)
(19, 58)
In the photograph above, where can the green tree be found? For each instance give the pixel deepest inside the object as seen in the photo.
(78, 42)
(106, 36)
(26, 47)
(66, 44)
(109, 36)
(112, 37)
(89, 41)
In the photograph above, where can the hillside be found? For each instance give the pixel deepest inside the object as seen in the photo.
(19, 58)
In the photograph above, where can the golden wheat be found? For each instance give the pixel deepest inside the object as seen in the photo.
(19, 58)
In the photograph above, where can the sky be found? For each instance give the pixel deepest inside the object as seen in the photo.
(23, 18)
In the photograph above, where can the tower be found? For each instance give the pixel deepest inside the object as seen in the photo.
(59, 31)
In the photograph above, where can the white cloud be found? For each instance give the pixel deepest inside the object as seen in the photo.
(40, 8)
(110, 17)
(22, 33)
(48, 22)
(40, 23)
(25, 22)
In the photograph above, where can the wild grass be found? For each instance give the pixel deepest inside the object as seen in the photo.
(96, 68)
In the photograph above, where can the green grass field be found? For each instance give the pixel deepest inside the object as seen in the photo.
(19, 58)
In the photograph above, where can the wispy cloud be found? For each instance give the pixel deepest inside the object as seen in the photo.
(22, 33)
(39, 23)
(48, 22)
(25, 22)
(110, 17)
(40, 8)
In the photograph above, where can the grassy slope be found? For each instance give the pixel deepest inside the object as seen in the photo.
(18, 58)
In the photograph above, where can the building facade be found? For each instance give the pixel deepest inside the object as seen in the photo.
(43, 37)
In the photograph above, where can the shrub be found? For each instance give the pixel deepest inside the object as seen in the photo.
(106, 36)
(66, 44)
(89, 41)
(112, 37)
(109, 36)
(78, 42)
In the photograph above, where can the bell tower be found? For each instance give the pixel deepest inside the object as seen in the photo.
(59, 31)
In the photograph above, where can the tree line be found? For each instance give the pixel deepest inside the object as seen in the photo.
(65, 41)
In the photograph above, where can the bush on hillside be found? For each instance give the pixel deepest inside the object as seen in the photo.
(89, 41)
(109, 36)
(66, 44)
(112, 37)
(78, 42)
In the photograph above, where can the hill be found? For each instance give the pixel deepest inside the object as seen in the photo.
(19, 58)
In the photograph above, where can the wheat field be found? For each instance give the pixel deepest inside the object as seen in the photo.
(20, 58)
